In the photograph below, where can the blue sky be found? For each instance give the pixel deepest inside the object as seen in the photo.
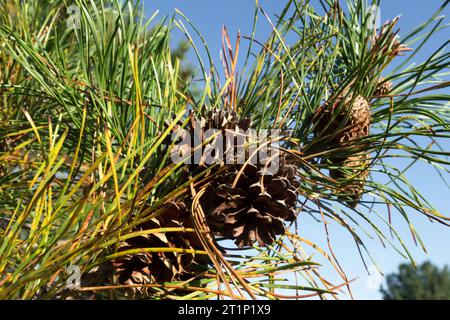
(209, 17)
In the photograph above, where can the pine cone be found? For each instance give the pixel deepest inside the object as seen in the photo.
(151, 267)
(351, 123)
(224, 120)
(359, 120)
(197, 126)
(339, 125)
(256, 209)
(353, 168)
(383, 88)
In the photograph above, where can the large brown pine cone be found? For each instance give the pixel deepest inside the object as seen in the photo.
(256, 209)
(197, 126)
(157, 267)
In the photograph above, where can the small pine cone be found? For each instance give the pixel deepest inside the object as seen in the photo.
(349, 123)
(353, 174)
(256, 209)
(383, 88)
(151, 267)
(357, 118)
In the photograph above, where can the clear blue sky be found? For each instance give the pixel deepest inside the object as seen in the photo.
(209, 17)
